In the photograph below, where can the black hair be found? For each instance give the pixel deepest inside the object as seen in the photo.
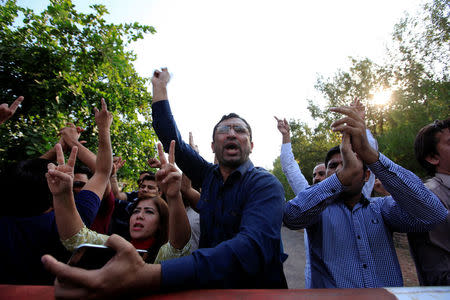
(333, 151)
(145, 172)
(330, 153)
(82, 169)
(25, 188)
(231, 116)
(149, 172)
(149, 177)
(426, 141)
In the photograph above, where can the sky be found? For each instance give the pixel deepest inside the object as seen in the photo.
(256, 58)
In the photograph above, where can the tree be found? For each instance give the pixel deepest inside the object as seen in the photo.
(63, 62)
(416, 71)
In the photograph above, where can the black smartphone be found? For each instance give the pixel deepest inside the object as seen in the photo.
(90, 256)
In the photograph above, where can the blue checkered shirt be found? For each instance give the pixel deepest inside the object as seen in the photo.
(354, 248)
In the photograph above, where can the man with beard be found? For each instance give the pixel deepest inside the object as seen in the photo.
(241, 209)
(350, 236)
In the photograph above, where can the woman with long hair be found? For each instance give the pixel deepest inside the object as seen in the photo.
(150, 218)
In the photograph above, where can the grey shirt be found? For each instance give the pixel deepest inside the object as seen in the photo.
(431, 250)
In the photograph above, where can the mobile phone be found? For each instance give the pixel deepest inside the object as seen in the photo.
(90, 256)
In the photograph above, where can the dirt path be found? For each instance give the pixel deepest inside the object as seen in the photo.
(294, 266)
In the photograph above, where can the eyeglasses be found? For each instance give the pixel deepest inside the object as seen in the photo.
(239, 129)
(78, 184)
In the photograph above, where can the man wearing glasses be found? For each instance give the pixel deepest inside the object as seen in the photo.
(240, 207)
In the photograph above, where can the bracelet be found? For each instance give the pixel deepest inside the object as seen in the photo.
(114, 176)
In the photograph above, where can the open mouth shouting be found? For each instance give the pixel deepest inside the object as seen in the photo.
(232, 149)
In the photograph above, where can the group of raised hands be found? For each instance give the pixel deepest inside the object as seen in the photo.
(60, 176)
(354, 143)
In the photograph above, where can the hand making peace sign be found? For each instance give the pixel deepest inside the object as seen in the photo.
(168, 177)
(60, 177)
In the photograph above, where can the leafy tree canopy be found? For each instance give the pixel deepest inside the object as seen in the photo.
(416, 72)
(63, 62)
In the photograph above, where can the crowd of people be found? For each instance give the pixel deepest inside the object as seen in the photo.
(218, 225)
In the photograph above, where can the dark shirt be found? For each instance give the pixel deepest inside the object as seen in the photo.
(102, 221)
(24, 240)
(353, 248)
(240, 221)
(131, 196)
(431, 250)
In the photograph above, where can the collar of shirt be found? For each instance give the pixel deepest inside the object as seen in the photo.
(445, 179)
(239, 172)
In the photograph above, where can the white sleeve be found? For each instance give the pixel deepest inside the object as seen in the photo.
(368, 186)
(292, 170)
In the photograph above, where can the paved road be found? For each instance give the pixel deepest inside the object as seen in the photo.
(294, 266)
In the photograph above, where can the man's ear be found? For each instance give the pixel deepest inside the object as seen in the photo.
(366, 175)
(251, 147)
(212, 147)
(432, 159)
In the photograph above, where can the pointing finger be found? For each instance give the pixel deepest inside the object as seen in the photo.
(59, 154)
(162, 157)
(66, 273)
(104, 107)
(172, 152)
(72, 157)
(16, 103)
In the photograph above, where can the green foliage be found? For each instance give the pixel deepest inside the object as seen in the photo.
(63, 62)
(309, 147)
(416, 72)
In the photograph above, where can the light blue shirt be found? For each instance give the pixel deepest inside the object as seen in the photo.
(354, 248)
(298, 183)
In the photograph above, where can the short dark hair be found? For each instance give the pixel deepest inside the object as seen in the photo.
(333, 151)
(145, 172)
(426, 141)
(231, 116)
(82, 169)
(330, 153)
(25, 189)
(151, 177)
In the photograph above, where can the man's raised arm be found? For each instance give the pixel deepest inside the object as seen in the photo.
(412, 206)
(160, 80)
(103, 165)
(290, 167)
(166, 129)
(7, 112)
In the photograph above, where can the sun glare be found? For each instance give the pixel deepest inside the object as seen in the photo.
(381, 97)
